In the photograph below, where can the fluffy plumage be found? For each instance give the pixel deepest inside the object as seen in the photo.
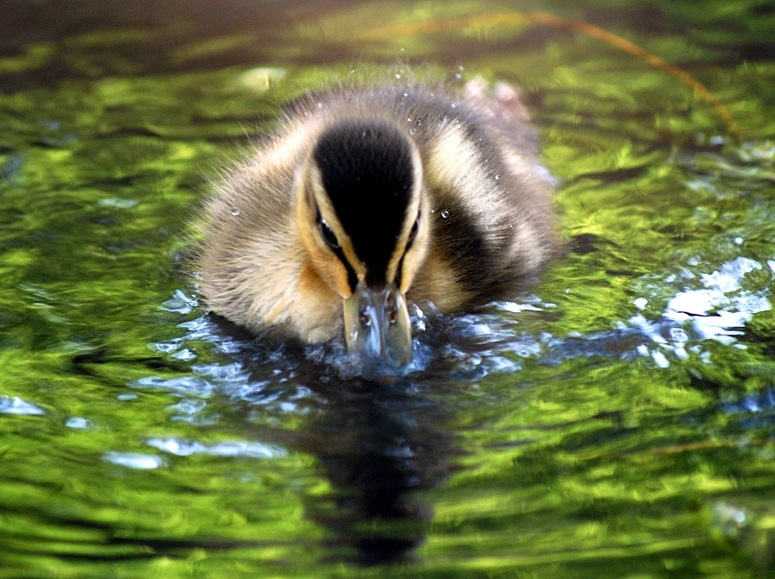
(441, 195)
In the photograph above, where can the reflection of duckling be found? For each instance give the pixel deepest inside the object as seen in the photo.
(366, 196)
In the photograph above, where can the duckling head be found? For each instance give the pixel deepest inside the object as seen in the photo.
(360, 217)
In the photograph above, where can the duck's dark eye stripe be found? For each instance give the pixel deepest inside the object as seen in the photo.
(332, 242)
(352, 279)
(399, 271)
(413, 233)
(409, 243)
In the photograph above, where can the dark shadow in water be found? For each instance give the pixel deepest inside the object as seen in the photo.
(378, 445)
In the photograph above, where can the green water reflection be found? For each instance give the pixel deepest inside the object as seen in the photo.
(617, 421)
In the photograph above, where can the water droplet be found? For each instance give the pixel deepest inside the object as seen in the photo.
(444, 213)
(398, 76)
(320, 105)
(234, 211)
(497, 177)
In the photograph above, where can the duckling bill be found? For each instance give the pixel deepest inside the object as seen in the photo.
(364, 199)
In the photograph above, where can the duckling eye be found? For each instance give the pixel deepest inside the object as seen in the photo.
(328, 235)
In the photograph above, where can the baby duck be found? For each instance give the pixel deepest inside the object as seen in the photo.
(366, 197)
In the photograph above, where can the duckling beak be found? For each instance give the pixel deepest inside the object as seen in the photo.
(377, 327)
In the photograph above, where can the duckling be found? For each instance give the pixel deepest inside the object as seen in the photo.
(366, 198)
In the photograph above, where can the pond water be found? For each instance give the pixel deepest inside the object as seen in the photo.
(617, 420)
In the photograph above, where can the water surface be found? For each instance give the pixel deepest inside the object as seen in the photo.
(614, 421)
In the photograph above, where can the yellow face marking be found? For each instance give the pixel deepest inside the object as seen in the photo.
(311, 200)
(408, 257)
(328, 214)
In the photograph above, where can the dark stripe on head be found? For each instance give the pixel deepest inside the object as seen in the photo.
(352, 278)
(368, 173)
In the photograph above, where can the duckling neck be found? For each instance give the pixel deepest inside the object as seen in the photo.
(369, 170)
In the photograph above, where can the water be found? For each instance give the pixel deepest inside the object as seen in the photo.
(614, 421)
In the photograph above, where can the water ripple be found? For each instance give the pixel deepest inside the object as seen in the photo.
(224, 449)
